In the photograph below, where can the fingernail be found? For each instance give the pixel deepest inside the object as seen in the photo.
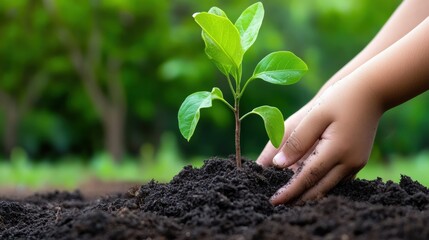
(279, 159)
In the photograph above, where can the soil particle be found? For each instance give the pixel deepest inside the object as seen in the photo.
(219, 201)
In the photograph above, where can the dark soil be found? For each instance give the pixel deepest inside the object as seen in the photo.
(219, 201)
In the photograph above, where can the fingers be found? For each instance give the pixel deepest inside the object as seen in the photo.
(335, 176)
(302, 138)
(316, 167)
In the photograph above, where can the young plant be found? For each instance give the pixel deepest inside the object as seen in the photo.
(225, 45)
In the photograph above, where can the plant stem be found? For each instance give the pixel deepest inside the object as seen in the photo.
(237, 132)
(230, 84)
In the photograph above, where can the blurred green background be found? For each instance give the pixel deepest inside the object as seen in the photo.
(92, 88)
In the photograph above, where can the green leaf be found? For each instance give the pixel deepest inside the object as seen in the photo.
(222, 41)
(282, 68)
(217, 11)
(225, 69)
(189, 111)
(274, 123)
(249, 23)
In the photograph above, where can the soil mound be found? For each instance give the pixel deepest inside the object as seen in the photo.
(219, 201)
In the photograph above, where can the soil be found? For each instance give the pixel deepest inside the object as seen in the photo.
(90, 189)
(219, 201)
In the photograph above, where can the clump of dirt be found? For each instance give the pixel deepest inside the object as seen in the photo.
(219, 201)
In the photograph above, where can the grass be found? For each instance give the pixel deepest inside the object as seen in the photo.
(70, 172)
(416, 167)
(161, 165)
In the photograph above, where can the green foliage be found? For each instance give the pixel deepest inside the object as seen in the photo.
(226, 44)
(163, 62)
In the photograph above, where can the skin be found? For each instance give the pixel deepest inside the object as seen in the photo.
(330, 139)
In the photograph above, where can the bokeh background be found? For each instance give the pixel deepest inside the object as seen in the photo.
(91, 89)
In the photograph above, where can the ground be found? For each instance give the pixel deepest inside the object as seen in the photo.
(219, 201)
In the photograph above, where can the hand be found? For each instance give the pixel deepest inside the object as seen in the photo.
(331, 138)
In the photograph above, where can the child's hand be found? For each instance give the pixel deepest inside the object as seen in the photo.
(330, 139)
(327, 141)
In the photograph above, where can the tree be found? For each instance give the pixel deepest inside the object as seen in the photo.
(23, 76)
(89, 62)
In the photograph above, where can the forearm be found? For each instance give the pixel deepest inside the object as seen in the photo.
(406, 17)
(400, 72)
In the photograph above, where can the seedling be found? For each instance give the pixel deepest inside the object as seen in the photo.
(225, 45)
